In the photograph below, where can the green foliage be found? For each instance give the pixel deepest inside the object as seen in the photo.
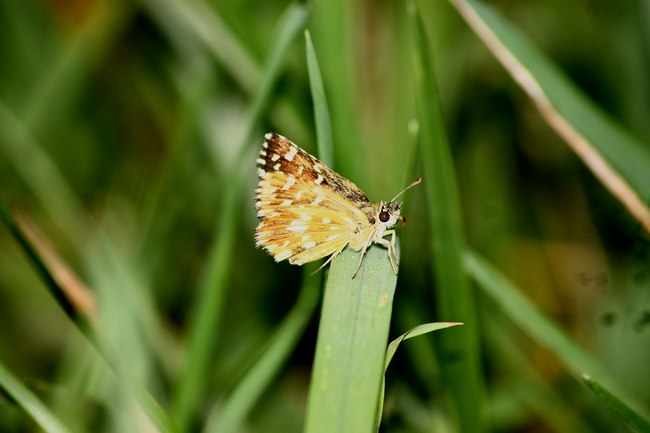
(459, 348)
(132, 297)
(627, 414)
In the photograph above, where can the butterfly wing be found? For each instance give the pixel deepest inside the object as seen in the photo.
(280, 154)
(303, 215)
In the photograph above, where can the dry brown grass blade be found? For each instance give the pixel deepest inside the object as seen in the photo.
(76, 292)
(585, 149)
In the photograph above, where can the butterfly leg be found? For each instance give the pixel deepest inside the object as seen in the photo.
(392, 248)
(363, 253)
(331, 257)
(392, 255)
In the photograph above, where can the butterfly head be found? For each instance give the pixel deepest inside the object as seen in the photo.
(388, 214)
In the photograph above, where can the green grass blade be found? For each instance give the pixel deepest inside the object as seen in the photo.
(425, 328)
(63, 81)
(530, 388)
(62, 205)
(540, 327)
(411, 155)
(459, 347)
(274, 356)
(351, 346)
(202, 21)
(290, 25)
(30, 403)
(627, 414)
(334, 53)
(42, 174)
(392, 348)
(209, 303)
(616, 158)
(249, 389)
(321, 112)
(87, 321)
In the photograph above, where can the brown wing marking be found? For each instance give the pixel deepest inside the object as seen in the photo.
(303, 165)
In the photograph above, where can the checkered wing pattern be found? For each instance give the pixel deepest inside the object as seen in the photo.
(306, 210)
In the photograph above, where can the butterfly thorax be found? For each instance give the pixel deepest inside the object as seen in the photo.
(381, 217)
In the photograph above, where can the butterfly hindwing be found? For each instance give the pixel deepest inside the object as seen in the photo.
(301, 220)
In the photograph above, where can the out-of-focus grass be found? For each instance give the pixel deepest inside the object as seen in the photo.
(209, 304)
(120, 123)
(459, 348)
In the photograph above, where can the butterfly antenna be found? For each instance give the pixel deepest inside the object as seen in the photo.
(415, 182)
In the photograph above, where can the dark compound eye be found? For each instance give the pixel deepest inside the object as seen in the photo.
(383, 217)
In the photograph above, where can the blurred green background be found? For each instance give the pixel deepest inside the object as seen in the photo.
(120, 128)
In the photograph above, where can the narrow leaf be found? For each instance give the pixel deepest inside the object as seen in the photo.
(616, 158)
(418, 330)
(392, 348)
(205, 24)
(539, 326)
(627, 414)
(253, 384)
(321, 112)
(460, 360)
(84, 316)
(351, 346)
(274, 356)
(208, 308)
(30, 403)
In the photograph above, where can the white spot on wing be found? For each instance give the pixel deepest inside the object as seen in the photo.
(275, 157)
(263, 152)
(331, 238)
(260, 172)
(317, 200)
(286, 202)
(326, 220)
(309, 245)
(298, 195)
(305, 238)
(297, 229)
(305, 217)
(334, 227)
(317, 168)
(268, 135)
(292, 152)
(261, 161)
(284, 254)
(276, 167)
(318, 180)
(285, 244)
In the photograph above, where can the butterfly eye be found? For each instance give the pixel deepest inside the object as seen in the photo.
(383, 217)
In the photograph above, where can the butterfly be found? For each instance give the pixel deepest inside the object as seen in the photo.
(307, 211)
